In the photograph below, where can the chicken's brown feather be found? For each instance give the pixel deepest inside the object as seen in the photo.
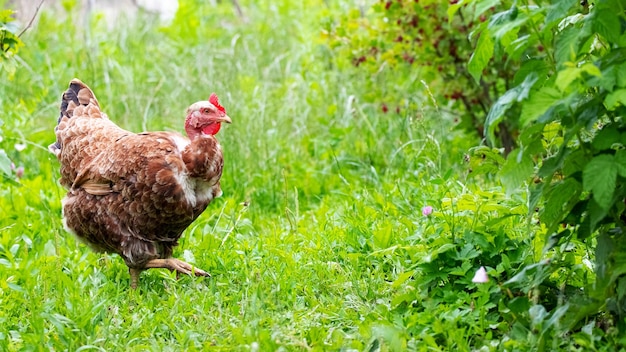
(131, 194)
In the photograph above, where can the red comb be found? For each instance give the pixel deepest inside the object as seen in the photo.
(213, 100)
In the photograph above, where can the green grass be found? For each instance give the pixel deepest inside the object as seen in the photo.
(319, 241)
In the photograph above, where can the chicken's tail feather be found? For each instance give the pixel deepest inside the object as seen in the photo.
(77, 95)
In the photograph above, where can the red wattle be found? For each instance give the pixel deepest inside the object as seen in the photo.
(211, 129)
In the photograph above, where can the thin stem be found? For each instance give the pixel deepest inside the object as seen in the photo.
(535, 29)
(30, 23)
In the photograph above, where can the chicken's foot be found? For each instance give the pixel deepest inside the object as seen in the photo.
(172, 264)
(177, 265)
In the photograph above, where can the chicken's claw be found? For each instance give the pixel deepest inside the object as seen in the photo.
(177, 265)
(173, 264)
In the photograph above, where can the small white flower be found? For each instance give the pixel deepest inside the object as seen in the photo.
(19, 146)
(481, 276)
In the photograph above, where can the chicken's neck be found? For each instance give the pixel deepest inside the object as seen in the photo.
(193, 133)
(203, 158)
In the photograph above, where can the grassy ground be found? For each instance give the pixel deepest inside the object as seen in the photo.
(319, 241)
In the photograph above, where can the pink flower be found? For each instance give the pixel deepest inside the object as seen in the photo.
(481, 276)
(427, 210)
(19, 172)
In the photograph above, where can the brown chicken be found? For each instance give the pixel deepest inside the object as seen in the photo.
(135, 193)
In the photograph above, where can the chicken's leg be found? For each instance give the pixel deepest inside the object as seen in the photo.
(134, 277)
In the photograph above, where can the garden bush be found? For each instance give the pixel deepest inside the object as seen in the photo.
(545, 81)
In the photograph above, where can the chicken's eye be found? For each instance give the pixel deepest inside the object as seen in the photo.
(206, 111)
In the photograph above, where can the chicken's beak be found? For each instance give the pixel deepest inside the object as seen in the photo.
(224, 118)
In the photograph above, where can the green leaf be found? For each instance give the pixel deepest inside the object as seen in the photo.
(566, 48)
(516, 170)
(466, 253)
(554, 113)
(519, 305)
(606, 137)
(620, 162)
(402, 278)
(526, 86)
(509, 36)
(509, 30)
(606, 22)
(588, 111)
(608, 79)
(604, 248)
(618, 269)
(528, 273)
(6, 16)
(481, 56)
(531, 139)
(535, 66)
(453, 9)
(435, 252)
(483, 6)
(553, 163)
(517, 46)
(613, 71)
(496, 113)
(575, 162)
(535, 194)
(615, 99)
(621, 74)
(559, 10)
(560, 199)
(566, 76)
(599, 176)
(5, 163)
(555, 318)
(595, 214)
(540, 101)
(591, 69)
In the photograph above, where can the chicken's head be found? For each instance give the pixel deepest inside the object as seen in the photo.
(205, 117)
